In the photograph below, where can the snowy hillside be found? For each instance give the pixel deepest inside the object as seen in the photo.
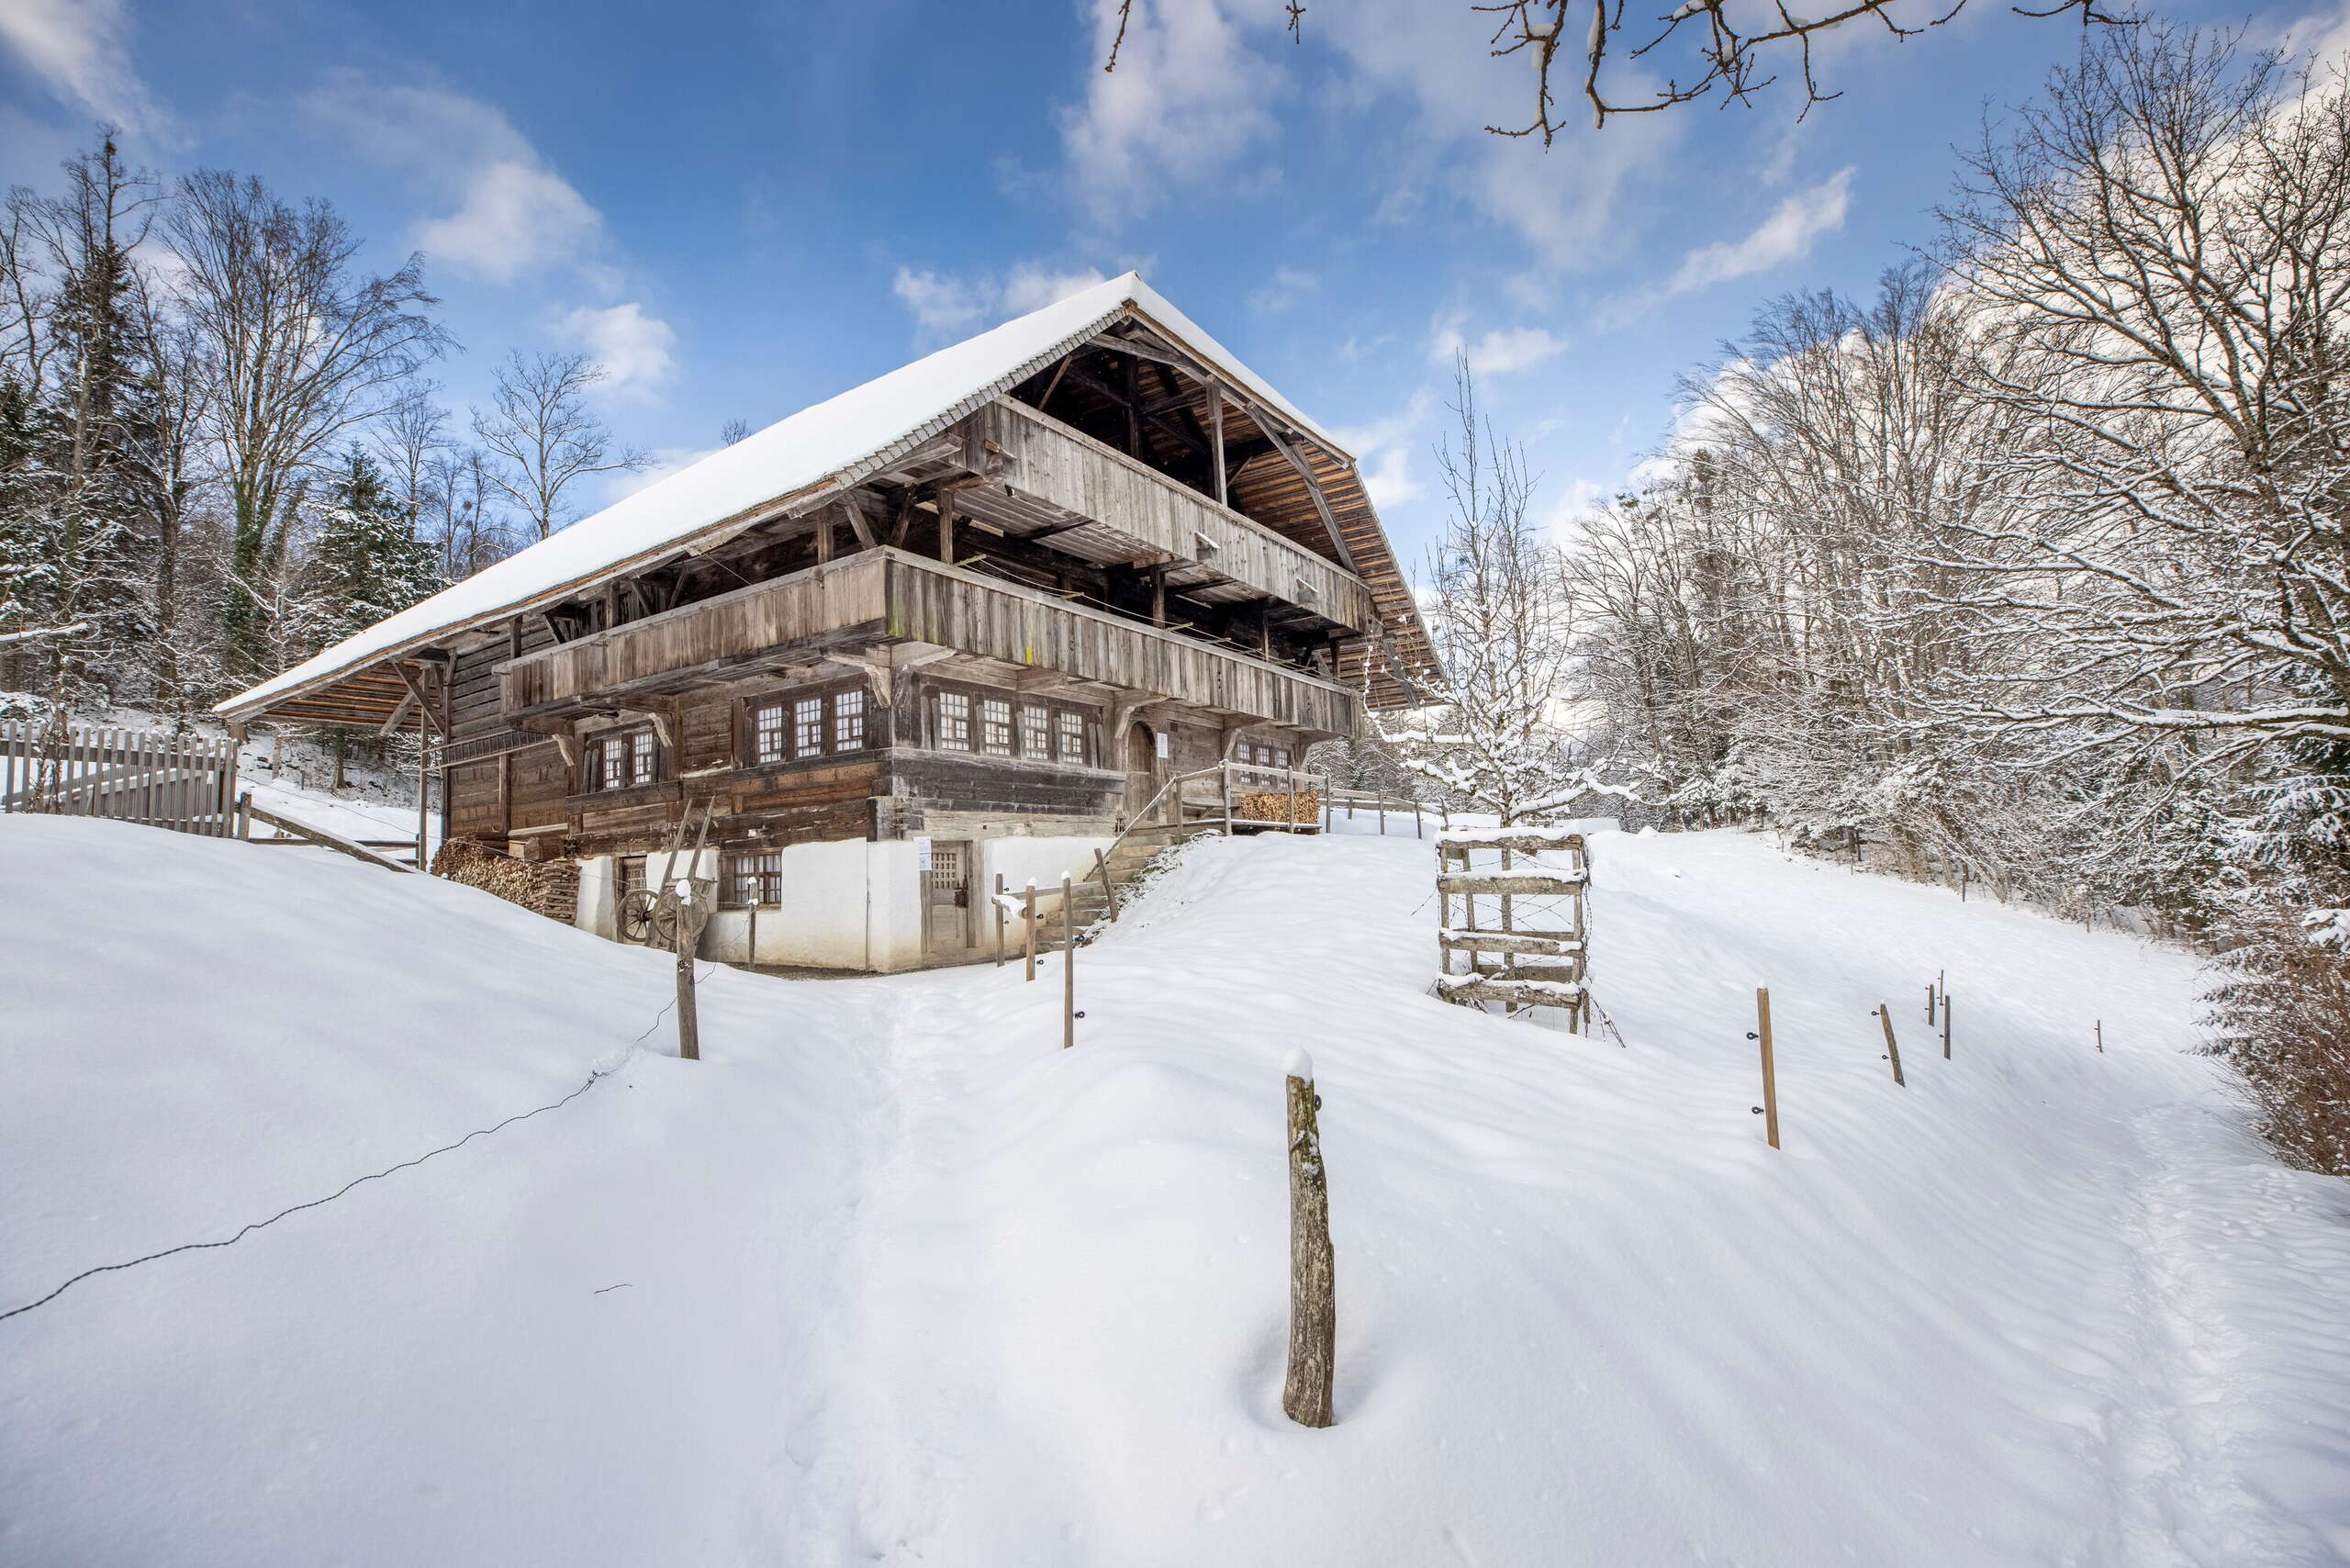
(891, 1278)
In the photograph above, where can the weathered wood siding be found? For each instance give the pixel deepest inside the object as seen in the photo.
(933, 603)
(897, 597)
(729, 629)
(1071, 470)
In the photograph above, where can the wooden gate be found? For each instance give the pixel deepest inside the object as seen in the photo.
(186, 783)
(947, 899)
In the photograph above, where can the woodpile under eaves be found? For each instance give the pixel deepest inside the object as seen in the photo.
(548, 887)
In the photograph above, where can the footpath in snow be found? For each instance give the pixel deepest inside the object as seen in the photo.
(888, 1277)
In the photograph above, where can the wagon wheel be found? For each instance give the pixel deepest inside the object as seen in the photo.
(663, 922)
(637, 916)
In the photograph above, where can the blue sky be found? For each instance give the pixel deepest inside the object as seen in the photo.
(742, 208)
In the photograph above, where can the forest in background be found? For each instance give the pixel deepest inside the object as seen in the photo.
(222, 449)
(2028, 574)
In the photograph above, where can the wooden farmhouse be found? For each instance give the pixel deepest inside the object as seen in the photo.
(963, 621)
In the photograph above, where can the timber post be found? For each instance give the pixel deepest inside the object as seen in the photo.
(1770, 1107)
(1028, 927)
(1313, 1286)
(1892, 1049)
(688, 1022)
(1069, 963)
(2101, 1036)
(996, 904)
(1945, 1026)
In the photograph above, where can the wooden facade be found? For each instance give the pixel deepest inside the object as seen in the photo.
(1014, 624)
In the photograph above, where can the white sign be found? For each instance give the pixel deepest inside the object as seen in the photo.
(921, 854)
(1163, 742)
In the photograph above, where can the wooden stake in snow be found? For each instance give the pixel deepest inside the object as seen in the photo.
(2101, 1036)
(1068, 965)
(998, 902)
(1770, 1081)
(1945, 1026)
(1313, 1285)
(1892, 1051)
(1028, 926)
(1929, 1003)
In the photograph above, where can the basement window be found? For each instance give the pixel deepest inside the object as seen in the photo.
(753, 876)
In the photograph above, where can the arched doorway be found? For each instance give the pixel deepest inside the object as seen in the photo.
(1142, 768)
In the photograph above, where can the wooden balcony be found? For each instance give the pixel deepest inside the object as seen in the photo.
(888, 595)
(1097, 503)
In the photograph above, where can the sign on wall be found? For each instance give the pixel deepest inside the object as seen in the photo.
(1161, 734)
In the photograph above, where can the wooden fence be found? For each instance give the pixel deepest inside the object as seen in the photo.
(186, 783)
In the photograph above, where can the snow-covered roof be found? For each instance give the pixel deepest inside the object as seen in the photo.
(822, 447)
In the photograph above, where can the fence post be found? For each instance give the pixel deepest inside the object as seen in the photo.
(1313, 1286)
(1892, 1051)
(1028, 927)
(1770, 1079)
(1069, 963)
(2101, 1036)
(996, 904)
(1945, 1026)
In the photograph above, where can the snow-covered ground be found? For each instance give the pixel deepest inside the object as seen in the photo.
(888, 1277)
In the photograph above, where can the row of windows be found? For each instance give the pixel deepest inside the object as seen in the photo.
(826, 724)
(999, 726)
(820, 725)
(1263, 754)
(744, 876)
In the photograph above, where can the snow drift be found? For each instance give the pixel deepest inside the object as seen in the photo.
(889, 1277)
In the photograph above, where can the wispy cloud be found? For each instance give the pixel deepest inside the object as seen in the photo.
(508, 214)
(1384, 449)
(1189, 98)
(636, 351)
(1787, 235)
(1496, 352)
(945, 307)
(1283, 289)
(80, 49)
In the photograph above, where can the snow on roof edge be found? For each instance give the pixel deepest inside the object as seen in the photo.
(822, 446)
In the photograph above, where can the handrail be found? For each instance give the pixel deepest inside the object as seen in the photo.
(1139, 824)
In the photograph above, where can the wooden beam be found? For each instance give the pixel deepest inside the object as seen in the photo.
(1215, 441)
(857, 525)
(417, 693)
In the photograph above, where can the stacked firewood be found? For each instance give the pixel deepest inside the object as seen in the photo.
(549, 886)
(1272, 806)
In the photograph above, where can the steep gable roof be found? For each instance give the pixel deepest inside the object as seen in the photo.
(792, 465)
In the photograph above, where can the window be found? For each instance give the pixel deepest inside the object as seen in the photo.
(785, 728)
(954, 721)
(1069, 726)
(995, 726)
(767, 735)
(618, 760)
(1035, 730)
(1264, 753)
(753, 876)
(632, 874)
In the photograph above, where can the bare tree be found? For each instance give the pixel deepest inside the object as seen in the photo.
(1730, 46)
(734, 430)
(543, 436)
(406, 442)
(298, 350)
(1487, 730)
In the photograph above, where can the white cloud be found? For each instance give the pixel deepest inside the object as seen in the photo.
(79, 49)
(635, 349)
(1189, 98)
(1032, 288)
(1285, 288)
(945, 308)
(1383, 451)
(942, 306)
(1498, 352)
(512, 215)
(1785, 236)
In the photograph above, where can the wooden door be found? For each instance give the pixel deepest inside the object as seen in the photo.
(947, 899)
(1142, 768)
